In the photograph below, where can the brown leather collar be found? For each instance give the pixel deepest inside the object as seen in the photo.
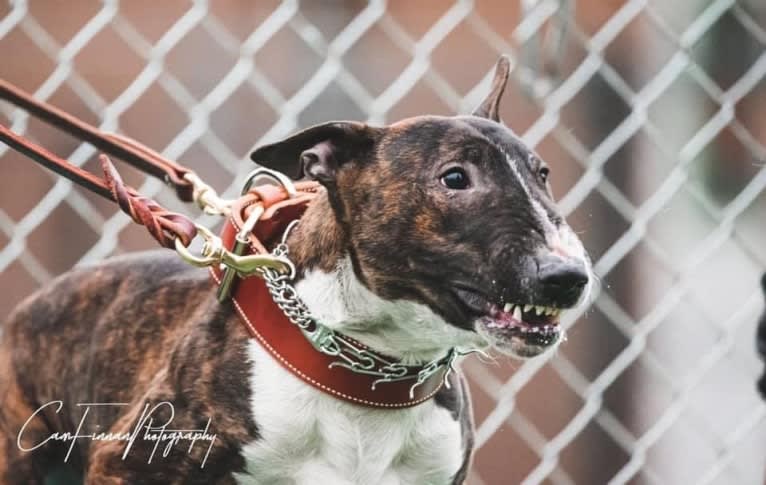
(287, 343)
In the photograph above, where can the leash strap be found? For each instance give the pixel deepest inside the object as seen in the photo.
(124, 148)
(165, 226)
(171, 230)
(54, 163)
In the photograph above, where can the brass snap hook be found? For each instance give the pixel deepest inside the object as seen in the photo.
(210, 254)
(213, 252)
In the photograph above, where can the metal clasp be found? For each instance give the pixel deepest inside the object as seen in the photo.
(213, 252)
(206, 197)
(240, 244)
(211, 203)
(242, 240)
(323, 339)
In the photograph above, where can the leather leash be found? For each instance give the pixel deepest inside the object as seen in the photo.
(170, 229)
(163, 225)
(125, 149)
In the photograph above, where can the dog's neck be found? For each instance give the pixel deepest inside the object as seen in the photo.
(336, 297)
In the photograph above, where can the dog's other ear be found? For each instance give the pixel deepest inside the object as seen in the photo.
(490, 107)
(319, 151)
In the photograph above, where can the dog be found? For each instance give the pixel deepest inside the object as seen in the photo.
(428, 234)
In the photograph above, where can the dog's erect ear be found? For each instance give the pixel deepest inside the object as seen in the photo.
(319, 151)
(489, 108)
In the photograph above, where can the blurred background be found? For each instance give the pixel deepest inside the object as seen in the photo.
(650, 112)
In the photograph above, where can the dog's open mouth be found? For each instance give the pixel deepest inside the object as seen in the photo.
(528, 321)
(523, 329)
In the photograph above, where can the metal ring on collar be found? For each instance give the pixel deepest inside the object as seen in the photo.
(279, 177)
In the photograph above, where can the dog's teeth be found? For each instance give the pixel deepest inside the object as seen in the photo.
(549, 311)
(517, 312)
(527, 308)
(507, 308)
(539, 310)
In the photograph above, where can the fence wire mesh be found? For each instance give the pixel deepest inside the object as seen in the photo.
(650, 113)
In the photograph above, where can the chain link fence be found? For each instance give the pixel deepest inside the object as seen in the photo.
(650, 113)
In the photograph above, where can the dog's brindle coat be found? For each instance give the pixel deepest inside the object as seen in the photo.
(401, 254)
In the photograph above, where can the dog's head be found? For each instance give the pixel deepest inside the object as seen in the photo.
(452, 212)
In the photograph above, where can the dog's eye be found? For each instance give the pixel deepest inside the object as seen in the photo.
(544, 173)
(455, 178)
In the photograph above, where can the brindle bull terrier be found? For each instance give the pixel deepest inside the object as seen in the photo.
(428, 234)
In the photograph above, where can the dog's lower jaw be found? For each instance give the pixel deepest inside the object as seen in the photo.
(515, 346)
(406, 330)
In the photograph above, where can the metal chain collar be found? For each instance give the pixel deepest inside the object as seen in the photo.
(349, 353)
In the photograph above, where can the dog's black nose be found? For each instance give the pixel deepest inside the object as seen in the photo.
(562, 281)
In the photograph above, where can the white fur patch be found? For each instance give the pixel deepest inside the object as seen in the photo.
(570, 243)
(542, 215)
(561, 239)
(308, 437)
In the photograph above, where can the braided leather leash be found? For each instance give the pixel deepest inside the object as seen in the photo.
(170, 229)
(163, 225)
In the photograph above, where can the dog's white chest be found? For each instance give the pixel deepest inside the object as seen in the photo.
(307, 437)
